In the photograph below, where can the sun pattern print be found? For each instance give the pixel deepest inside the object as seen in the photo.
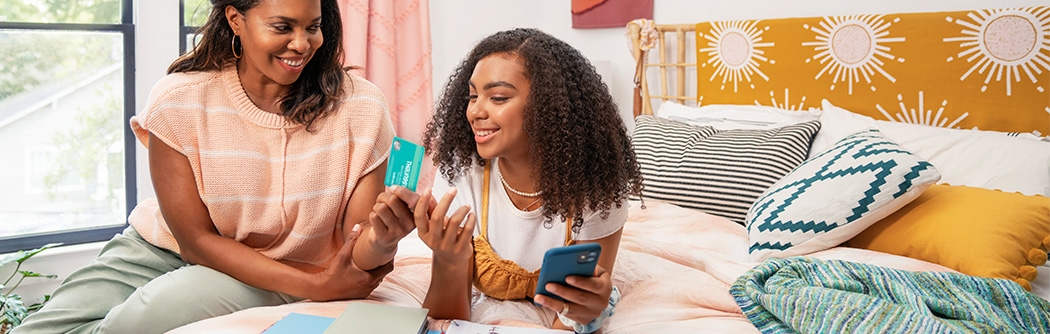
(1005, 44)
(986, 69)
(734, 48)
(786, 104)
(921, 115)
(850, 47)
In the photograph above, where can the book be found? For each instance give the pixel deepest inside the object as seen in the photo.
(298, 323)
(362, 317)
(467, 327)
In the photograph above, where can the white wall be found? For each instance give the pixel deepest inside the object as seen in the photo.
(156, 46)
(457, 25)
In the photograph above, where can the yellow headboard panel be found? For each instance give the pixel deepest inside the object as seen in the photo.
(986, 69)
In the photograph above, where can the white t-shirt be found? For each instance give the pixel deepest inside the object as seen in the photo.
(517, 235)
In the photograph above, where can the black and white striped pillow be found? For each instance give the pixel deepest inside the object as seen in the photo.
(721, 172)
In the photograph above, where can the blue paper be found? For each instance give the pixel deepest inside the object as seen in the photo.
(298, 323)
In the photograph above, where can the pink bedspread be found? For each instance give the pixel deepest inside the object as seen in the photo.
(674, 269)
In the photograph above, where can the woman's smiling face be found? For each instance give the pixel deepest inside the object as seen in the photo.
(499, 91)
(278, 37)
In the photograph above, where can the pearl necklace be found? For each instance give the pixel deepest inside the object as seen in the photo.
(516, 191)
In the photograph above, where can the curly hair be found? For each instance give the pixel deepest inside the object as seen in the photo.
(578, 140)
(320, 85)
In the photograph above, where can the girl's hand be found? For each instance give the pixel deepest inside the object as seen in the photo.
(450, 237)
(343, 280)
(586, 297)
(391, 219)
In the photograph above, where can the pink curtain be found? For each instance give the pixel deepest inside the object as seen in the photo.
(390, 39)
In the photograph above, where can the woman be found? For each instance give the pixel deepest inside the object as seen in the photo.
(264, 154)
(531, 139)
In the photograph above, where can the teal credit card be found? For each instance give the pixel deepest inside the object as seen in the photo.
(402, 168)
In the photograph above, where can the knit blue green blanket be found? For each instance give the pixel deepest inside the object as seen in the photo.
(808, 295)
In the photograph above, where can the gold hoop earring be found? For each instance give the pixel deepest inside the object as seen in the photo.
(233, 47)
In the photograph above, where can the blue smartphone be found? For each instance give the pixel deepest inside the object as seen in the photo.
(559, 262)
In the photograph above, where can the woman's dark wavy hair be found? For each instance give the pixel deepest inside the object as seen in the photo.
(576, 136)
(320, 85)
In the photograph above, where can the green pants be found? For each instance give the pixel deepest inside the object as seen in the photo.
(135, 287)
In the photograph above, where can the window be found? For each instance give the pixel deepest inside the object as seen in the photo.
(43, 176)
(194, 14)
(67, 90)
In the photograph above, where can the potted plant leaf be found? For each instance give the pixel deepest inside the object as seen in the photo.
(12, 308)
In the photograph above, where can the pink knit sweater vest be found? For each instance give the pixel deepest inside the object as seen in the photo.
(266, 181)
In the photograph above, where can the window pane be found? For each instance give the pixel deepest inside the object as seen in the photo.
(61, 11)
(61, 135)
(191, 42)
(195, 11)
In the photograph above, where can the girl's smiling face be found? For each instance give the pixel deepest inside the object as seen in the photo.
(499, 91)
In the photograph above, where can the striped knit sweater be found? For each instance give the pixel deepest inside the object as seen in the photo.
(266, 181)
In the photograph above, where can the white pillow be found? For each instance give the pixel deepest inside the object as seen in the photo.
(835, 195)
(735, 117)
(975, 158)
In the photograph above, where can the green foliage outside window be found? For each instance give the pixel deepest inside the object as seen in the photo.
(61, 11)
(195, 12)
(31, 58)
(102, 123)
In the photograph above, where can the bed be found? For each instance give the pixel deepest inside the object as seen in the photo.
(742, 128)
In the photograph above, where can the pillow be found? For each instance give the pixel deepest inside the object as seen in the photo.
(735, 117)
(976, 158)
(720, 172)
(976, 231)
(835, 195)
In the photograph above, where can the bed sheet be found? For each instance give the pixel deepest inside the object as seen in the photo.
(674, 268)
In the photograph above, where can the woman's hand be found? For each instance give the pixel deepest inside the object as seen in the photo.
(343, 280)
(586, 297)
(450, 237)
(391, 219)
(410, 198)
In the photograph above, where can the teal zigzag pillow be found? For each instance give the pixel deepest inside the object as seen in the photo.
(835, 195)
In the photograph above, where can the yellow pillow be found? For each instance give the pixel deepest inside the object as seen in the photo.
(976, 231)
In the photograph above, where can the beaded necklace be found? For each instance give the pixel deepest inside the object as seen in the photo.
(516, 191)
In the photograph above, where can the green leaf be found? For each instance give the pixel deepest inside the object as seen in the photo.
(23, 255)
(14, 310)
(34, 274)
(9, 258)
(37, 306)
